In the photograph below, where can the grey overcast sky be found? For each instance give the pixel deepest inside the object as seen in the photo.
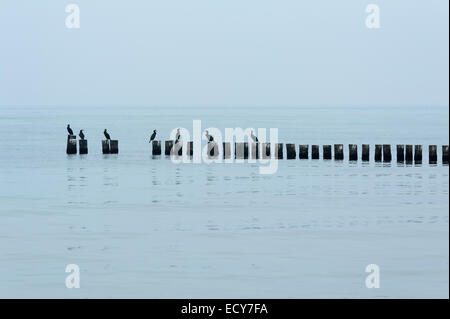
(224, 53)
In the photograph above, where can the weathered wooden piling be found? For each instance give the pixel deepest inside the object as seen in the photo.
(400, 153)
(290, 151)
(315, 154)
(387, 154)
(338, 152)
(409, 154)
(83, 146)
(365, 156)
(418, 154)
(245, 150)
(168, 148)
(213, 149)
(327, 152)
(279, 148)
(177, 148)
(378, 153)
(114, 146)
(254, 150)
(241, 150)
(105, 147)
(445, 154)
(353, 152)
(265, 150)
(190, 148)
(303, 151)
(226, 150)
(156, 147)
(432, 154)
(71, 147)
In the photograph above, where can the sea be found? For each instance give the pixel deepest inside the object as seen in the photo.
(140, 226)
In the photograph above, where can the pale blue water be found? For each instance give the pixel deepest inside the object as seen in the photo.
(143, 227)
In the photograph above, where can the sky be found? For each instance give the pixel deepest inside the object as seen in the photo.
(221, 53)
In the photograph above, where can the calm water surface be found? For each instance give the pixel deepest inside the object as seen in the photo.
(144, 227)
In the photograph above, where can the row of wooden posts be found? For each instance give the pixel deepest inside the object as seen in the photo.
(383, 152)
(108, 146)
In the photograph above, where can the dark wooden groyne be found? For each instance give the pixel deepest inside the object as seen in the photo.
(303, 151)
(408, 153)
(445, 154)
(382, 152)
(71, 147)
(365, 157)
(83, 146)
(353, 152)
(110, 146)
(156, 147)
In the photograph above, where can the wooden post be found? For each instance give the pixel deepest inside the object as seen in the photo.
(338, 152)
(238, 150)
(409, 154)
(290, 151)
(327, 152)
(432, 154)
(265, 150)
(177, 148)
(254, 150)
(105, 146)
(400, 153)
(156, 147)
(445, 154)
(226, 150)
(303, 151)
(315, 154)
(114, 146)
(387, 155)
(241, 150)
(71, 147)
(418, 154)
(245, 150)
(213, 150)
(365, 157)
(83, 146)
(378, 152)
(279, 147)
(190, 148)
(353, 152)
(168, 148)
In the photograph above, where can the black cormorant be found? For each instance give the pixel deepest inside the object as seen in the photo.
(81, 134)
(177, 136)
(153, 136)
(106, 134)
(209, 137)
(254, 138)
(69, 130)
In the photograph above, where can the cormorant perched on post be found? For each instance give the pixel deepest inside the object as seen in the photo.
(153, 136)
(254, 138)
(69, 130)
(177, 136)
(106, 134)
(209, 137)
(81, 134)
